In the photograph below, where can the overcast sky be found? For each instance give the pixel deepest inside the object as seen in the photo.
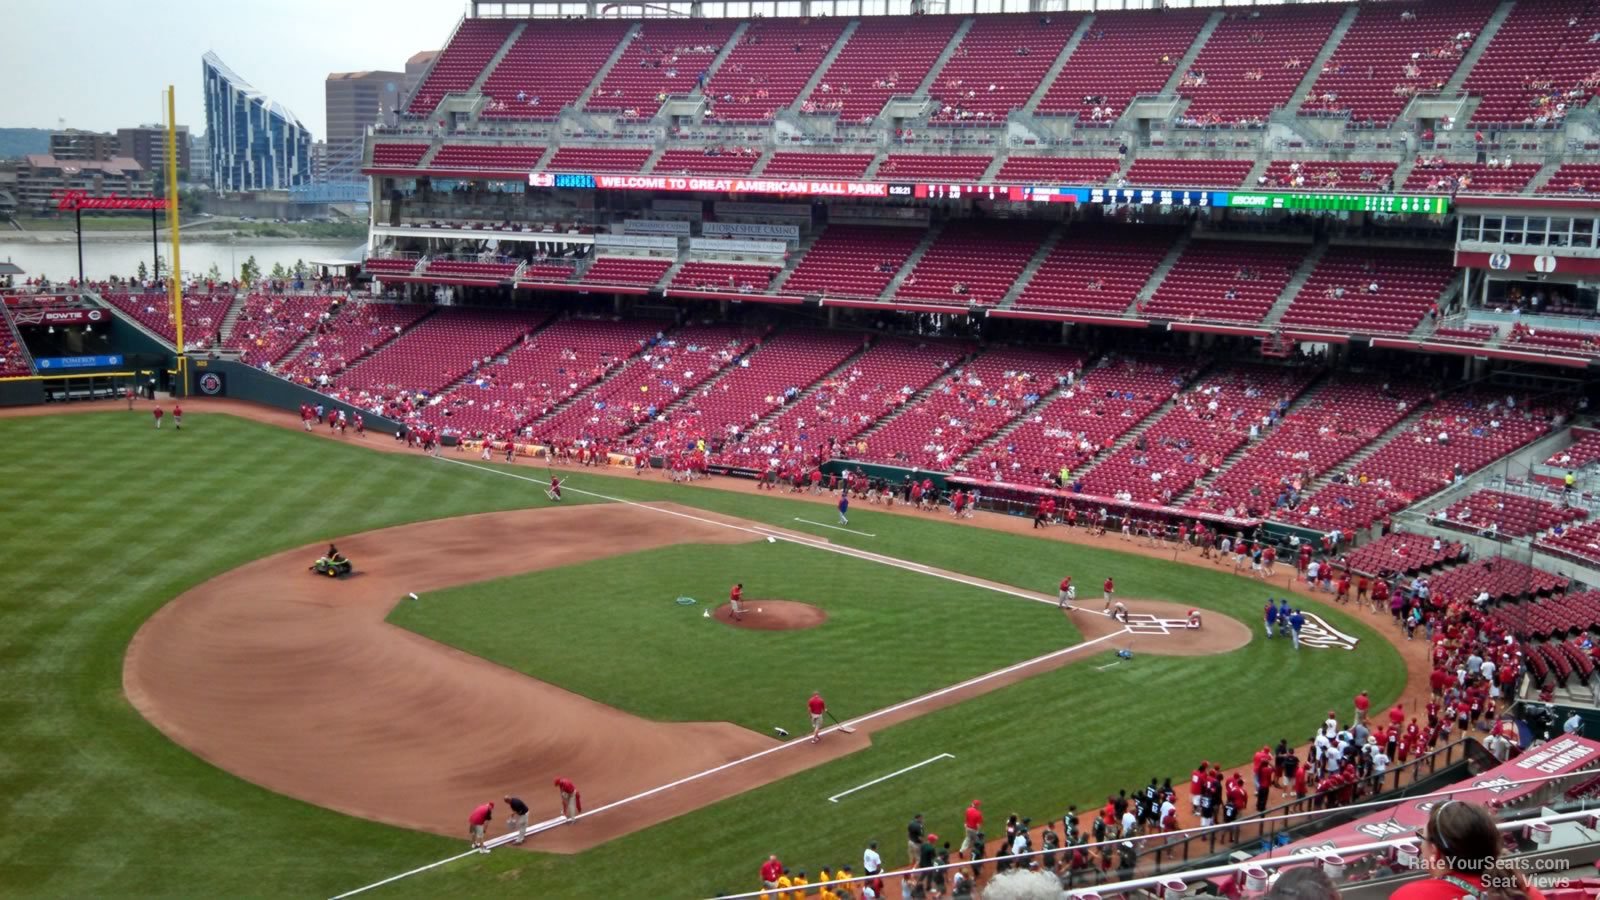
(99, 64)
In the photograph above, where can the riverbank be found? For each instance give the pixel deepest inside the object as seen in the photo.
(56, 231)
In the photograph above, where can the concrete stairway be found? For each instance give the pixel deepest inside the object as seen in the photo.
(1427, 325)
(932, 77)
(992, 173)
(1257, 171)
(1056, 67)
(822, 67)
(916, 398)
(1480, 43)
(616, 54)
(1039, 256)
(231, 318)
(495, 60)
(766, 157)
(380, 346)
(1187, 62)
(724, 53)
(1356, 459)
(1298, 281)
(1306, 396)
(899, 278)
(809, 389)
(1542, 178)
(800, 251)
(1160, 273)
(1303, 91)
(1004, 431)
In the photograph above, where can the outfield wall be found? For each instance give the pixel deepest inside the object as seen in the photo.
(241, 382)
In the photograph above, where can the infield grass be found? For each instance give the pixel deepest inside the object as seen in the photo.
(108, 520)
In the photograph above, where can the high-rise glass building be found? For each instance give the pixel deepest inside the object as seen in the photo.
(255, 144)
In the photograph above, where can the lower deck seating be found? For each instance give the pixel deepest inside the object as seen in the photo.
(202, 315)
(436, 352)
(1211, 419)
(13, 361)
(668, 368)
(1402, 552)
(1502, 513)
(775, 374)
(543, 369)
(967, 406)
(1584, 450)
(823, 422)
(1082, 420)
(345, 337)
(269, 325)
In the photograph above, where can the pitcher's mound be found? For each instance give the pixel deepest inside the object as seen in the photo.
(775, 615)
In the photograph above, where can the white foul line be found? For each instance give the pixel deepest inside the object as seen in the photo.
(834, 527)
(763, 532)
(931, 759)
(1107, 666)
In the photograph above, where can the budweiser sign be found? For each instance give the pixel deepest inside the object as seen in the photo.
(71, 200)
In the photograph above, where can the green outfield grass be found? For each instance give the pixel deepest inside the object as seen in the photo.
(109, 520)
(890, 635)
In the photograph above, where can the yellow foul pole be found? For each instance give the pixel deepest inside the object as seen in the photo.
(175, 271)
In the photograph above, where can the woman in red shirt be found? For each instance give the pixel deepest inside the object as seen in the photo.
(1461, 840)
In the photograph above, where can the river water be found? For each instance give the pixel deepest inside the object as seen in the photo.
(121, 257)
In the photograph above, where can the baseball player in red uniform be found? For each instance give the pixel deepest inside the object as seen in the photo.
(571, 801)
(1066, 593)
(817, 708)
(736, 601)
(1110, 589)
(177, 416)
(158, 414)
(361, 426)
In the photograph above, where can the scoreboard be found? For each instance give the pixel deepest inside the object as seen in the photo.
(1380, 203)
(1401, 204)
(1153, 197)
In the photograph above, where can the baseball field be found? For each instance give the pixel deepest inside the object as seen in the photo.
(189, 712)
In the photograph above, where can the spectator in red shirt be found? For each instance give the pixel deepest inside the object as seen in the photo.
(477, 822)
(1109, 590)
(177, 416)
(974, 823)
(1363, 703)
(1397, 715)
(158, 414)
(771, 871)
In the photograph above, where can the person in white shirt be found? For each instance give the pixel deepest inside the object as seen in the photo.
(1130, 823)
(871, 862)
(1330, 726)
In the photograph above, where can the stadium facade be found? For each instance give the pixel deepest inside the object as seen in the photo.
(255, 143)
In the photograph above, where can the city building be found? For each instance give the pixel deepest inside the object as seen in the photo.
(416, 67)
(199, 160)
(40, 176)
(355, 100)
(256, 143)
(76, 144)
(147, 145)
